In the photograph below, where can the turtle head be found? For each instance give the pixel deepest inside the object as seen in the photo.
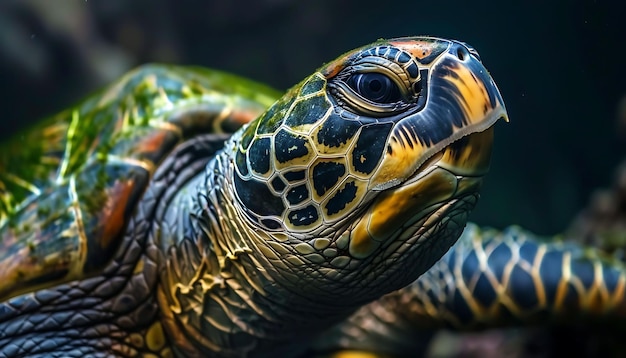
(370, 166)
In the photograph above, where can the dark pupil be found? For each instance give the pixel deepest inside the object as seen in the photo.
(375, 86)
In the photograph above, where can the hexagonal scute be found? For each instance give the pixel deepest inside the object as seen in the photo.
(291, 149)
(302, 219)
(326, 174)
(258, 156)
(335, 135)
(369, 148)
(274, 117)
(307, 111)
(298, 194)
(313, 85)
(277, 184)
(344, 198)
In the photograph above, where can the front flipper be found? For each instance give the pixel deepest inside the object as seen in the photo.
(490, 279)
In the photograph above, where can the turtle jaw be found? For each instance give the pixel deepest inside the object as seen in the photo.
(447, 177)
(406, 229)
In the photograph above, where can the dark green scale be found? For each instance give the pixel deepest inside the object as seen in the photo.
(258, 198)
(303, 217)
(298, 194)
(278, 184)
(309, 110)
(313, 85)
(271, 120)
(337, 131)
(293, 176)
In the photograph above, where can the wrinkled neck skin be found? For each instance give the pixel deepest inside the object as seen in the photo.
(222, 296)
(231, 289)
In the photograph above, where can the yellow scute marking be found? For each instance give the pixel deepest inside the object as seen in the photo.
(139, 266)
(155, 338)
(399, 164)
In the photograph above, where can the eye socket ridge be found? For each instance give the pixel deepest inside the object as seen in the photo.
(373, 89)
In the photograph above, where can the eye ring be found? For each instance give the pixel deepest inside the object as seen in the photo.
(375, 87)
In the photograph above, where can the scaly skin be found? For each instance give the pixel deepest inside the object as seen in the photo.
(489, 279)
(412, 173)
(349, 187)
(174, 247)
(88, 279)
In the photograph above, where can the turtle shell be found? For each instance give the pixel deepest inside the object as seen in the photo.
(69, 185)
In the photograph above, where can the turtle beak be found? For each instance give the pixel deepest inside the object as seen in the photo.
(460, 98)
(436, 157)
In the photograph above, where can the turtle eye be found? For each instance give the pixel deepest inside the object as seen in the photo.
(375, 87)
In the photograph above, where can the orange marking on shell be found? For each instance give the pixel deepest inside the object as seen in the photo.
(152, 142)
(113, 218)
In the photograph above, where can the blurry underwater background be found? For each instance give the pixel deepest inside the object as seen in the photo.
(559, 66)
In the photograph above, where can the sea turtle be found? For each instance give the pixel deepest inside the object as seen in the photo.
(135, 224)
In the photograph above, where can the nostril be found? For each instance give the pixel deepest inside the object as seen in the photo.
(462, 53)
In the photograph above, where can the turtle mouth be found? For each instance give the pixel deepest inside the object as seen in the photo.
(467, 154)
(450, 174)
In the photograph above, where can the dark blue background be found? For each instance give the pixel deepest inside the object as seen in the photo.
(559, 66)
